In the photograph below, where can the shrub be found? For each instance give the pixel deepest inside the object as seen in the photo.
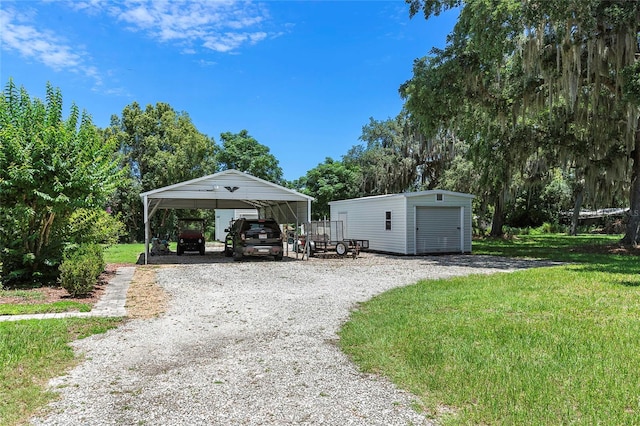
(551, 228)
(80, 269)
(510, 231)
(94, 226)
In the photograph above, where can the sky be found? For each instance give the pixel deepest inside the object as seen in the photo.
(302, 77)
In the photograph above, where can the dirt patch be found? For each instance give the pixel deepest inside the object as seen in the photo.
(145, 298)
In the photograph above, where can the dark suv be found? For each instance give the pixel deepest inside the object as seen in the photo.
(254, 237)
(190, 236)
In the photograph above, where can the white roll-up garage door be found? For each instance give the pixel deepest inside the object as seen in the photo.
(438, 230)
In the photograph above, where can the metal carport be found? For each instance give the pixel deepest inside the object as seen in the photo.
(229, 189)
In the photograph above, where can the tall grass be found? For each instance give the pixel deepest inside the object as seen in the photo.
(544, 346)
(32, 352)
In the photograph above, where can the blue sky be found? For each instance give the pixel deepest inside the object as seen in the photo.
(302, 77)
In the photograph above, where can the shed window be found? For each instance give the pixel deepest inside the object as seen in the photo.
(387, 221)
(439, 197)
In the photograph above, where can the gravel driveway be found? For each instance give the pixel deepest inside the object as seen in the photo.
(250, 343)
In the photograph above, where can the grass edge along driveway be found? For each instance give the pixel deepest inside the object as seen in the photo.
(34, 351)
(555, 345)
(31, 353)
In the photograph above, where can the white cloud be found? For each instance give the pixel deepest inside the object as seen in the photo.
(140, 16)
(19, 33)
(221, 26)
(223, 42)
(204, 63)
(33, 43)
(192, 25)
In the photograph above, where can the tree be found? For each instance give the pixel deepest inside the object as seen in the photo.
(397, 157)
(580, 53)
(50, 168)
(159, 147)
(328, 181)
(576, 61)
(389, 158)
(242, 152)
(475, 98)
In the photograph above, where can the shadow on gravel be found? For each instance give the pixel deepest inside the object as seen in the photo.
(209, 257)
(213, 256)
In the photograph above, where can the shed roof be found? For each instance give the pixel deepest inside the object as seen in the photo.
(409, 195)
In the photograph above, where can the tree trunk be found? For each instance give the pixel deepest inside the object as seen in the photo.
(631, 236)
(498, 217)
(482, 225)
(576, 210)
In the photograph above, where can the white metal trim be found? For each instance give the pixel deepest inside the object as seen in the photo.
(462, 230)
(415, 230)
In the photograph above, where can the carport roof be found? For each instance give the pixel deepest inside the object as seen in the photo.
(229, 189)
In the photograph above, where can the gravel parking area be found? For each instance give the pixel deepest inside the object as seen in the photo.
(250, 343)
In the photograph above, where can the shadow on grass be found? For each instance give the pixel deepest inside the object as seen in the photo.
(628, 263)
(481, 261)
(594, 253)
(556, 246)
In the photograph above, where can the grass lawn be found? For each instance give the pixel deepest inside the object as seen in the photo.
(123, 253)
(32, 352)
(41, 308)
(556, 345)
(561, 247)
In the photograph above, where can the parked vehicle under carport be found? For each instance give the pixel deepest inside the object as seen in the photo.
(190, 236)
(254, 237)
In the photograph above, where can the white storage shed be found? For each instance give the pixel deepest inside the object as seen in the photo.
(224, 217)
(424, 222)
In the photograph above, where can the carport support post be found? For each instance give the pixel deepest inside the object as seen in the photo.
(146, 230)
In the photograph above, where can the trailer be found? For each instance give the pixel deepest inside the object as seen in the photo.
(324, 236)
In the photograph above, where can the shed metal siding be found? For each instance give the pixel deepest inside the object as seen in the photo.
(366, 218)
(366, 221)
(234, 186)
(224, 217)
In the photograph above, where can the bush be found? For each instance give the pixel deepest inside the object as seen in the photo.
(551, 228)
(80, 269)
(94, 226)
(511, 231)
